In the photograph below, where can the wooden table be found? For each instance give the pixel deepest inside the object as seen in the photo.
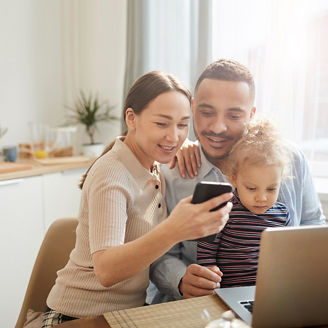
(178, 314)
(184, 313)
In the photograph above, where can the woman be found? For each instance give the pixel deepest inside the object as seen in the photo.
(121, 227)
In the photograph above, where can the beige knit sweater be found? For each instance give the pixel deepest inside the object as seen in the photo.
(120, 202)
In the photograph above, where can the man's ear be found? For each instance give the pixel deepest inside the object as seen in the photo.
(130, 118)
(192, 107)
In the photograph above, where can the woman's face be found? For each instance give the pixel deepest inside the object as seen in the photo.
(157, 133)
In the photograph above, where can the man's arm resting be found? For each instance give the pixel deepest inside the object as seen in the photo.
(173, 277)
(167, 271)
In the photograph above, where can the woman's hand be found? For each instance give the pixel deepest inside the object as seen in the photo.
(187, 158)
(191, 221)
(187, 221)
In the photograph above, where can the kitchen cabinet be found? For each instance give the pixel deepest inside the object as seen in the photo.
(21, 234)
(28, 206)
(61, 195)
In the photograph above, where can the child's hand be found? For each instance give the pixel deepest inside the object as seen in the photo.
(188, 158)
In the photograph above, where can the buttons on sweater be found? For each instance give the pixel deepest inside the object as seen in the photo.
(157, 186)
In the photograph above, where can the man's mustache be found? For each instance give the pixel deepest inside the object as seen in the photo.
(216, 135)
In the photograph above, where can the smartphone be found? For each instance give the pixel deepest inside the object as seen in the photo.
(206, 190)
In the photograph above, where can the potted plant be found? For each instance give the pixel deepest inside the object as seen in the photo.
(88, 111)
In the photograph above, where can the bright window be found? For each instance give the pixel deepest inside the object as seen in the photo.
(283, 42)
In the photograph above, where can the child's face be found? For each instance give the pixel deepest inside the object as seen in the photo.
(258, 186)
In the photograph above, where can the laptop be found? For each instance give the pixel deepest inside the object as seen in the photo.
(292, 280)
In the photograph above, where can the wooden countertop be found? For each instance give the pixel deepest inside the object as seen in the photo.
(38, 168)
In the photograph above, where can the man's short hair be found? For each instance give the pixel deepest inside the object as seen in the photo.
(228, 70)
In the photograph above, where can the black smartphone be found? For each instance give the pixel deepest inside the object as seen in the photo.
(206, 190)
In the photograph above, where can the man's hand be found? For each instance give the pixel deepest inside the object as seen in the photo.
(199, 280)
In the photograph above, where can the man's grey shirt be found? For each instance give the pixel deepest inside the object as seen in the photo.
(297, 193)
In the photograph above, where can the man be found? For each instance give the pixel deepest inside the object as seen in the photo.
(223, 105)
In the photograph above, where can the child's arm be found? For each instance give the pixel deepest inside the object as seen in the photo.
(206, 253)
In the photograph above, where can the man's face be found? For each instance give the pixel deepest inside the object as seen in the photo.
(221, 110)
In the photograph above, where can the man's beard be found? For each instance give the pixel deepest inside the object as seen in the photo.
(212, 134)
(215, 160)
(216, 135)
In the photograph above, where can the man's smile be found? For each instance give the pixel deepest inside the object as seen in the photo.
(217, 141)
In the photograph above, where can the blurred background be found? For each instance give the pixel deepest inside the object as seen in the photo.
(52, 49)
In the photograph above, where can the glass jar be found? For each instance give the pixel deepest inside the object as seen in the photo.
(40, 134)
(62, 141)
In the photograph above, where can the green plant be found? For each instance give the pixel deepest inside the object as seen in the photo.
(89, 111)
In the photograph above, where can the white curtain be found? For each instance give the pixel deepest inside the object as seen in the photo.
(283, 42)
(168, 35)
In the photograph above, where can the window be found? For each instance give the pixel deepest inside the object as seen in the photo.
(283, 44)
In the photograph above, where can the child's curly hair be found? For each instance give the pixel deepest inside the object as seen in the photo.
(261, 144)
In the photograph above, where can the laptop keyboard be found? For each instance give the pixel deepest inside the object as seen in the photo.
(247, 305)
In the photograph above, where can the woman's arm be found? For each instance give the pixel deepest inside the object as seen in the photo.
(188, 159)
(187, 221)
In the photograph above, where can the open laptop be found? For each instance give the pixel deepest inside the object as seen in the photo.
(291, 283)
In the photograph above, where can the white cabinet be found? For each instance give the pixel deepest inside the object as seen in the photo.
(61, 194)
(21, 234)
(27, 207)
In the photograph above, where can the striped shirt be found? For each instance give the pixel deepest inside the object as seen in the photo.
(236, 248)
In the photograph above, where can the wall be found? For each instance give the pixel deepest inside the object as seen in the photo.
(51, 49)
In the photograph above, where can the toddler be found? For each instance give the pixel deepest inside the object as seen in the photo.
(256, 166)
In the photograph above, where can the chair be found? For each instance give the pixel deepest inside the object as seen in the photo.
(53, 255)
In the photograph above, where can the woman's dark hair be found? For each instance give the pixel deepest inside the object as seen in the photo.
(143, 91)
